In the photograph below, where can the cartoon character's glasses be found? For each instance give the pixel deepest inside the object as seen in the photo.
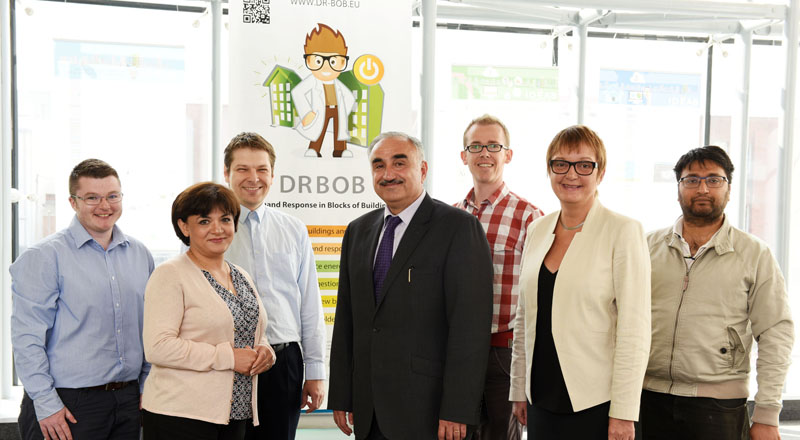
(337, 62)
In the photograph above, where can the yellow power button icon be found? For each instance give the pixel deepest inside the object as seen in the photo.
(368, 69)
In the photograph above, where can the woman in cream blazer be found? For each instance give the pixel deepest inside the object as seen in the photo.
(582, 332)
(204, 329)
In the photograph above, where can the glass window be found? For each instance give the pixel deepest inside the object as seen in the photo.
(508, 75)
(93, 83)
(646, 100)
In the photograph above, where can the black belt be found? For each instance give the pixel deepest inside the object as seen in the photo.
(279, 347)
(112, 386)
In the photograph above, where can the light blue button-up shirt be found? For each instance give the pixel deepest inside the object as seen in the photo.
(275, 250)
(76, 316)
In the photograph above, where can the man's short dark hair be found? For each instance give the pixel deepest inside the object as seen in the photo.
(700, 155)
(250, 140)
(200, 199)
(94, 168)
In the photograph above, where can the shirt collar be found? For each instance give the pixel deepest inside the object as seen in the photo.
(496, 196)
(407, 214)
(677, 232)
(82, 236)
(245, 213)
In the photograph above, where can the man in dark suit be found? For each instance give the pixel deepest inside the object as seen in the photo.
(410, 342)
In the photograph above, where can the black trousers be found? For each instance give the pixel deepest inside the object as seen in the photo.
(664, 416)
(161, 427)
(497, 413)
(279, 392)
(375, 430)
(112, 415)
(376, 434)
(589, 424)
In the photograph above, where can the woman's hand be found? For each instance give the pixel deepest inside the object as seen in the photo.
(243, 359)
(619, 429)
(264, 361)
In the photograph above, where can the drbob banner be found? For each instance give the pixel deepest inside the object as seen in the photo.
(319, 79)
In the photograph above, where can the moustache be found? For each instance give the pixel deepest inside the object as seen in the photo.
(391, 182)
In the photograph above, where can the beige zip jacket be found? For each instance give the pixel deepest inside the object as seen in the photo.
(601, 320)
(705, 319)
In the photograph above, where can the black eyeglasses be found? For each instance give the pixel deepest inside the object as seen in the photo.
(492, 148)
(694, 181)
(94, 199)
(337, 62)
(582, 167)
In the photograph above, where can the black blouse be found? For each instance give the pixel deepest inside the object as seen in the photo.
(548, 389)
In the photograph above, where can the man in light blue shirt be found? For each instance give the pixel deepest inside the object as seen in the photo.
(275, 249)
(76, 319)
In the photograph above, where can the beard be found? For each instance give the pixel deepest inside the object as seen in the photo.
(709, 212)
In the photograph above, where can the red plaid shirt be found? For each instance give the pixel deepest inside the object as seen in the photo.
(505, 217)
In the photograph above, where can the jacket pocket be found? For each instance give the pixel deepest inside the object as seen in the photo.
(426, 367)
(736, 348)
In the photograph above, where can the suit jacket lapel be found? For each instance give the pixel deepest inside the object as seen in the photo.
(411, 238)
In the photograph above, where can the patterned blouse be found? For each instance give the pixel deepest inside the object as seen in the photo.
(244, 309)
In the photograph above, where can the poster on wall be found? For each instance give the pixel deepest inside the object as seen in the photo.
(319, 79)
(655, 89)
(496, 83)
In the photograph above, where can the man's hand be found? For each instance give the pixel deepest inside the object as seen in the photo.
(521, 412)
(243, 359)
(760, 431)
(451, 430)
(315, 389)
(55, 426)
(308, 118)
(265, 359)
(620, 429)
(341, 418)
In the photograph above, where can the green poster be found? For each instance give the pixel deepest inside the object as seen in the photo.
(505, 83)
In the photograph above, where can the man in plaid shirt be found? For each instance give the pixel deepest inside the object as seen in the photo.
(505, 217)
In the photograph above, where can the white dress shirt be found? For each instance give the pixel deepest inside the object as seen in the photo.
(405, 216)
(274, 248)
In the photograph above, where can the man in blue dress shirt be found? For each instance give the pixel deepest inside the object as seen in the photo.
(76, 320)
(275, 250)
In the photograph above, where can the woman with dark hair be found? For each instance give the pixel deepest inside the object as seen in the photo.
(203, 328)
(582, 333)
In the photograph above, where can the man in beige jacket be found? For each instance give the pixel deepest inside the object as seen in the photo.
(715, 289)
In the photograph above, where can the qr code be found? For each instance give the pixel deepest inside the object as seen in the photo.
(256, 11)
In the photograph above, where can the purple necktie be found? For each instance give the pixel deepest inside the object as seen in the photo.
(383, 258)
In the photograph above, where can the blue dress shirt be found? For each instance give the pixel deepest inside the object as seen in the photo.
(76, 317)
(275, 250)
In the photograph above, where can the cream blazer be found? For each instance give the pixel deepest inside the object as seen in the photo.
(188, 339)
(601, 311)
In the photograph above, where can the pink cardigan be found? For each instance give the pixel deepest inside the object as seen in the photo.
(188, 339)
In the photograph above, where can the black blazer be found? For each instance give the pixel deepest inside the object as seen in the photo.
(420, 354)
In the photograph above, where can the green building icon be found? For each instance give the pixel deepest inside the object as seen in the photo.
(364, 123)
(280, 83)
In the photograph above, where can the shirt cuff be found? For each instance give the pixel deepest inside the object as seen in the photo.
(142, 378)
(768, 415)
(315, 371)
(47, 404)
(517, 395)
(223, 357)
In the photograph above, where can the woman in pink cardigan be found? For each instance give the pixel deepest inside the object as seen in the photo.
(203, 328)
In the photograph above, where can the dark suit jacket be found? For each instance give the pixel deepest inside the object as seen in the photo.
(420, 354)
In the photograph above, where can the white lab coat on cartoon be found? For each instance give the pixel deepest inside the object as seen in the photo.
(309, 95)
